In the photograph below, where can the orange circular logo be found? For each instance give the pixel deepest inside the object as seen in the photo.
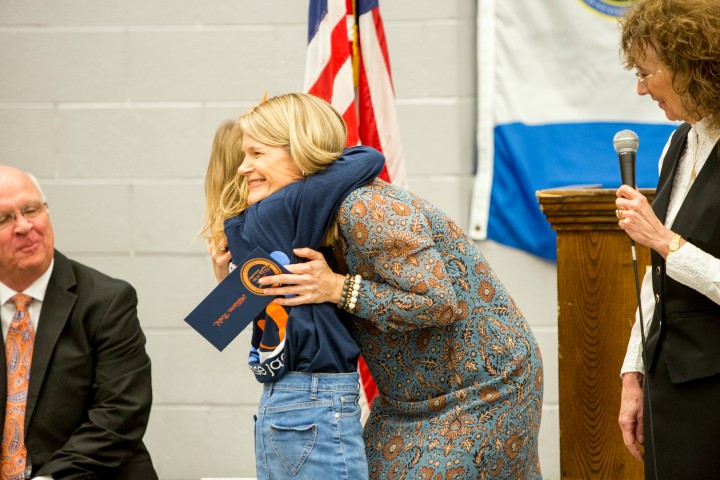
(253, 270)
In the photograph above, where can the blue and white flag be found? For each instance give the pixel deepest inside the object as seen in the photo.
(552, 95)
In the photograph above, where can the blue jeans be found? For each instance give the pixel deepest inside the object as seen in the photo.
(308, 428)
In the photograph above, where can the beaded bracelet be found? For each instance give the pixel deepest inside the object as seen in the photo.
(343, 295)
(350, 293)
(353, 297)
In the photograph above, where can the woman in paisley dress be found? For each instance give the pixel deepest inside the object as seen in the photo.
(456, 364)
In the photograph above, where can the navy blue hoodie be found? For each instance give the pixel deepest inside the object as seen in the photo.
(313, 337)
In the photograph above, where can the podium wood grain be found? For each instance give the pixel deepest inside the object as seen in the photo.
(596, 307)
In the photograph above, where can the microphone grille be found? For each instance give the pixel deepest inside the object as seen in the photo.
(626, 141)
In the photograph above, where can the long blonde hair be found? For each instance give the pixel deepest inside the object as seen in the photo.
(311, 130)
(225, 157)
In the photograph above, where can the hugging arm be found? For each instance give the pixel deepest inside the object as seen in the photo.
(410, 286)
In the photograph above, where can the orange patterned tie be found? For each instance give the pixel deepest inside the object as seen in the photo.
(18, 355)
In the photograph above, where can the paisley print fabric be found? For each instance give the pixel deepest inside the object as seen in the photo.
(458, 369)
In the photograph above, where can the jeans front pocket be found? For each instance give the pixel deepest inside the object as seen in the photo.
(292, 445)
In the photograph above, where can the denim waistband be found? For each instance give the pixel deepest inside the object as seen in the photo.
(316, 381)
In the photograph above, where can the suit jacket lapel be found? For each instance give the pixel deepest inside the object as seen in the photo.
(56, 309)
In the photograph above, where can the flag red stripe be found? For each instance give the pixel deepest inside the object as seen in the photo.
(368, 127)
(380, 31)
(368, 383)
(351, 120)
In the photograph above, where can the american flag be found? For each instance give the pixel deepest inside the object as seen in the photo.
(348, 65)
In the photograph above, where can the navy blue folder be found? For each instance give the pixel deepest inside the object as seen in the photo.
(236, 301)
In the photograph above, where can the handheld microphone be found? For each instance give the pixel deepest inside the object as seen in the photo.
(626, 143)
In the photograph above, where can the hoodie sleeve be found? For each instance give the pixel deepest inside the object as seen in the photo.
(324, 191)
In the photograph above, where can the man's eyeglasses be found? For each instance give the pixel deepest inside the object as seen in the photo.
(642, 77)
(31, 210)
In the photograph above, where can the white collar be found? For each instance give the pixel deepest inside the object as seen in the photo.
(704, 133)
(36, 289)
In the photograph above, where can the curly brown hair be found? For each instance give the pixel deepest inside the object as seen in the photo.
(685, 36)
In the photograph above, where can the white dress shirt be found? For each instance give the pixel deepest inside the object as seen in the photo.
(689, 265)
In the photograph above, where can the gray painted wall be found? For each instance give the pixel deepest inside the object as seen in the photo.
(112, 104)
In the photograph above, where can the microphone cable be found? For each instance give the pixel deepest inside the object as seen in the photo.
(646, 380)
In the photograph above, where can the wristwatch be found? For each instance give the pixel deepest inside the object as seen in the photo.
(674, 244)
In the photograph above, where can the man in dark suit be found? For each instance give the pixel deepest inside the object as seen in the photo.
(87, 403)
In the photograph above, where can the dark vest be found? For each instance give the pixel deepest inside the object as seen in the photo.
(685, 322)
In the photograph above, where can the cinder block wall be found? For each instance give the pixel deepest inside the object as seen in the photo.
(112, 105)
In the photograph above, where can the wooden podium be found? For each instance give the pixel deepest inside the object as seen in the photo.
(596, 309)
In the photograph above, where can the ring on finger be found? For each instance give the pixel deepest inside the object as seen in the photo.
(619, 214)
